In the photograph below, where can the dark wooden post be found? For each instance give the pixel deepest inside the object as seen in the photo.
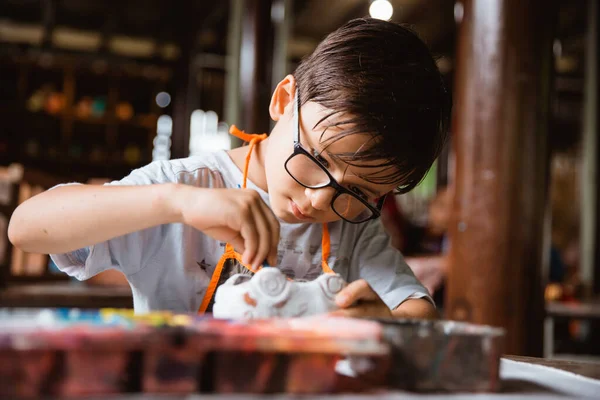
(591, 137)
(256, 64)
(502, 92)
(596, 16)
(49, 21)
(185, 96)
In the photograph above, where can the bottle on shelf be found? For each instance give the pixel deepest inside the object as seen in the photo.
(83, 109)
(124, 111)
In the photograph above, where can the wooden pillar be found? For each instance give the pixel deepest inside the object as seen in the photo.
(590, 146)
(256, 65)
(596, 8)
(502, 92)
(232, 83)
(282, 26)
(49, 22)
(592, 128)
(185, 96)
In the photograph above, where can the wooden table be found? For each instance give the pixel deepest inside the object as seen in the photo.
(588, 369)
(583, 310)
(516, 391)
(589, 310)
(66, 294)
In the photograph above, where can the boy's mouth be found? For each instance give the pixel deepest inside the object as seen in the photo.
(297, 213)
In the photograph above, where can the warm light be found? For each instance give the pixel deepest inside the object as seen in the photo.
(381, 9)
(163, 99)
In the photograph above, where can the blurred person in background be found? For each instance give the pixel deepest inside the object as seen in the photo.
(424, 248)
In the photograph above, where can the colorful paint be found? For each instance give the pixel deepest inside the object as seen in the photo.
(76, 353)
(68, 352)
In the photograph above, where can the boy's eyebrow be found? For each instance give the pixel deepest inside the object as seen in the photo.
(371, 191)
(336, 156)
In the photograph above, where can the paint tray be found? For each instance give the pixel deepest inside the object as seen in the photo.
(66, 353)
(74, 353)
(443, 355)
(296, 356)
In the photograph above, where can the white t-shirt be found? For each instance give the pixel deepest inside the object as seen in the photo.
(169, 266)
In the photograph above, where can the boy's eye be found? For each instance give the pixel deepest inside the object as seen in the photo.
(320, 159)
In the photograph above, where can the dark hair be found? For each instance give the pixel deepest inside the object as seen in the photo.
(383, 76)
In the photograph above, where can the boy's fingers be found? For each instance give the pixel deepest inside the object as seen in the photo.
(250, 236)
(340, 313)
(365, 310)
(238, 243)
(274, 225)
(352, 312)
(357, 290)
(264, 237)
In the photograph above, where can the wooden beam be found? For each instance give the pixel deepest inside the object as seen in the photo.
(591, 138)
(232, 82)
(589, 147)
(502, 91)
(49, 21)
(108, 30)
(184, 98)
(256, 65)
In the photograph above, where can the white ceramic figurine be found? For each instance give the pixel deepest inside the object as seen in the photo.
(269, 293)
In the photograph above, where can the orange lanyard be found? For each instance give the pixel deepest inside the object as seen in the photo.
(230, 253)
(253, 139)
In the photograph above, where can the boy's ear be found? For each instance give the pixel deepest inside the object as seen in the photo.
(283, 95)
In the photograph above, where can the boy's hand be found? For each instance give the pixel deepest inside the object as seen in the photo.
(237, 216)
(358, 299)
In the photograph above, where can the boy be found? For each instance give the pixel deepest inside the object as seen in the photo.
(364, 115)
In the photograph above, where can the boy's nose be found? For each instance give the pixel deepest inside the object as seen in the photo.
(320, 199)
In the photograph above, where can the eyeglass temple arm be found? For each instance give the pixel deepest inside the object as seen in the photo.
(295, 118)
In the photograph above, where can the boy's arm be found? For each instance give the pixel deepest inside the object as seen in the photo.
(358, 299)
(383, 285)
(416, 308)
(72, 217)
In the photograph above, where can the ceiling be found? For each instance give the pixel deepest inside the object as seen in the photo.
(160, 26)
(432, 19)
(167, 21)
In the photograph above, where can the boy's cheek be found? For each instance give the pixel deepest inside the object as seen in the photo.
(278, 207)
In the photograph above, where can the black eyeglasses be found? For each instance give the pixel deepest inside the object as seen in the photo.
(311, 173)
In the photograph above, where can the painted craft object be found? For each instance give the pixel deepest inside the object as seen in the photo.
(269, 293)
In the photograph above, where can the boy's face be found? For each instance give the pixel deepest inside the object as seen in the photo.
(292, 202)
